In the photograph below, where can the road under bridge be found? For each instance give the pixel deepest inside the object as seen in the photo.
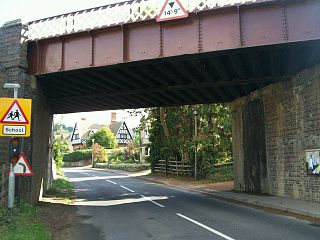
(261, 56)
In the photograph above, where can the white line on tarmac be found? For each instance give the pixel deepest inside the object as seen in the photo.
(206, 227)
(111, 182)
(127, 188)
(147, 198)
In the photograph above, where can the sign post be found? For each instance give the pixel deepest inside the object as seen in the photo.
(15, 121)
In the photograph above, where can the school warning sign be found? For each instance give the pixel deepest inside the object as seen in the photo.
(15, 117)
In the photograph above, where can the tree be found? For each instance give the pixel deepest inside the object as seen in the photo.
(59, 147)
(172, 135)
(104, 137)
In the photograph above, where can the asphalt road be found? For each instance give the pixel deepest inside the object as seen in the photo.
(118, 207)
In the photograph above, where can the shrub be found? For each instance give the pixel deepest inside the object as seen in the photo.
(103, 137)
(78, 155)
(129, 167)
(59, 148)
(99, 153)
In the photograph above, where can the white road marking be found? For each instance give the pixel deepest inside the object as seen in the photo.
(206, 227)
(111, 182)
(147, 198)
(127, 188)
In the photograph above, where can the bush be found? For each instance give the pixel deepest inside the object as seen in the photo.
(99, 153)
(129, 167)
(59, 148)
(104, 137)
(78, 155)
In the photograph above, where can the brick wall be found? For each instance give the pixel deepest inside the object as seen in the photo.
(292, 125)
(13, 65)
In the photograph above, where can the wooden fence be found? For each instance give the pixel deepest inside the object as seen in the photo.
(173, 167)
(182, 168)
(4, 169)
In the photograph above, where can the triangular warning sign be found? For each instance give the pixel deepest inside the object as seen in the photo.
(14, 115)
(172, 9)
(22, 167)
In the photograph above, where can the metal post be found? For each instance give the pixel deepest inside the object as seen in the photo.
(11, 188)
(92, 152)
(15, 92)
(196, 145)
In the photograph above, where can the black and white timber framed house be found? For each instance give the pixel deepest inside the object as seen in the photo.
(81, 133)
(122, 133)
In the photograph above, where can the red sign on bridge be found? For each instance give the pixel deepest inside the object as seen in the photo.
(172, 9)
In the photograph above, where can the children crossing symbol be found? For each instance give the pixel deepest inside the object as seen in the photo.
(14, 115)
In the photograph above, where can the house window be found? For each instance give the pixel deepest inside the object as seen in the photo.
(123, 136)
(76, 136)
(146, 151)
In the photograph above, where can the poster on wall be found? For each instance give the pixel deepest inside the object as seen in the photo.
(313, 161)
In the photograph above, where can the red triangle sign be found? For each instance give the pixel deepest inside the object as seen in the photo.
(22, 167)
(172, 9)
(14, 115)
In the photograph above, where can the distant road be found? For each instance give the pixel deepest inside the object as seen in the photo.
(118, 207)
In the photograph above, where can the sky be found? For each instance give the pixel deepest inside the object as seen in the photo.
(29, 10)
(101, 117)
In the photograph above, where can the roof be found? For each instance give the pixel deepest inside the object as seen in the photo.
(114, 127)
(91, 129)
(85, 128)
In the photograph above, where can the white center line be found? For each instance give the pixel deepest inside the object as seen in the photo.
(127, 188)
(147, 198)
(206, 227)
(111, 182)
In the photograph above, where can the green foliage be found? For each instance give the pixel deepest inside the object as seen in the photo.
(23, 224)
(132, 153)
(99, 153)
(59, 148)
(214, 135)
(61, 188)
(125, 155)
(129, 167)
(78, 155)
(104, 137)
(222, 173)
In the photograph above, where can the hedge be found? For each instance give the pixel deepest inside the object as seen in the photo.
(77, 155)
(129, 167)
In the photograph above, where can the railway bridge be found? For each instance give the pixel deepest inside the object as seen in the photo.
(262, 56)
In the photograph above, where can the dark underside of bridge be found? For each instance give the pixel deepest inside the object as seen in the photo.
(190, 79)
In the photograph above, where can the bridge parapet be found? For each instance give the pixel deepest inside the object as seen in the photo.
(115, 14)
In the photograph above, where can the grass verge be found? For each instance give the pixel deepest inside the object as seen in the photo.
(22, 224)
(61, 189)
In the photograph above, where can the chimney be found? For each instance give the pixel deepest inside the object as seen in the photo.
(113, 117)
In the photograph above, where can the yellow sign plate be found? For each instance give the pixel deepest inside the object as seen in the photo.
(15, 117)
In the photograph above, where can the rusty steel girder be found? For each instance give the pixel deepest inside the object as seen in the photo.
(222, 29)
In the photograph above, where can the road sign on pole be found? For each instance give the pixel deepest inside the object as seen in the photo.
(172, 9)
(15, 117)
(22, 167)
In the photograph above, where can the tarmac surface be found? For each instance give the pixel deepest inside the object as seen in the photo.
(224, 190)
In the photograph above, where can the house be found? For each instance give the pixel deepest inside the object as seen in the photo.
(121, 131)
(145, 143)
(82, 131)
